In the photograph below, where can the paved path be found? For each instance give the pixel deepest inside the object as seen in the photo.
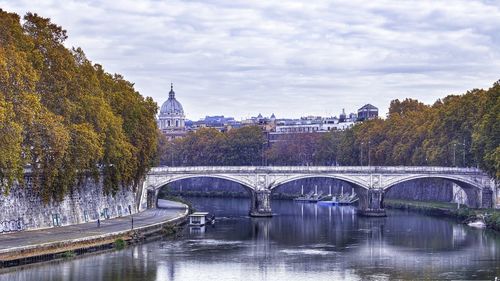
(65, 233)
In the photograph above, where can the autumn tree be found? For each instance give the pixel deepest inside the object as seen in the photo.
(65, 118)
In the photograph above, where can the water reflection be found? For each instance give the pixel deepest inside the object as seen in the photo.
(197, 230)
(302, 241)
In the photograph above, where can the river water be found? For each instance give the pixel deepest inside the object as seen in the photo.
(301, 242)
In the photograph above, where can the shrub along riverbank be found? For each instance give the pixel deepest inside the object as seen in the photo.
(464, 214)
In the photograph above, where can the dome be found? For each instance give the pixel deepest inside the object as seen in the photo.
(171, 106)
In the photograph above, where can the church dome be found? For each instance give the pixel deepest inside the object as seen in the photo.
(171, 106)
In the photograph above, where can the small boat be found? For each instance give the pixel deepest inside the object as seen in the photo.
(328, 202)
(342, 199)
(198, 218)
(311, 197)
(316, 197)
(346, 199)
(477, 224)
(304, 198)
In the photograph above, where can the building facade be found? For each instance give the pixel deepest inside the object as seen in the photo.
(310, 124)
(367, 112)
(171, 120)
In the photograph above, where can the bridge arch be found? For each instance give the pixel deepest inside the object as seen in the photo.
(172, 179)
(368, 198)
(258, 206)
(353, 182)
(472, 189)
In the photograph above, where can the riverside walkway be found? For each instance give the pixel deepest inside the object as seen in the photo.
(52, 240)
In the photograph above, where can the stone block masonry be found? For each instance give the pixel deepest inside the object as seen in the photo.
(23, 209)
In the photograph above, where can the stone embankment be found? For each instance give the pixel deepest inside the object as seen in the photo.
(23, 208)
(61, 242)
(463, 214)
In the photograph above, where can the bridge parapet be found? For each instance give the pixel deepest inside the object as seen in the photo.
(317, 169)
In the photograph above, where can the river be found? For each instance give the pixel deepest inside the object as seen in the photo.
(301, 242)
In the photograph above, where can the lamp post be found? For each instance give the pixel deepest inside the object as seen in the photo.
(302, 157)
(369, 148)
(361, 157)
(454, 154)
(262, 155)
(464, 151)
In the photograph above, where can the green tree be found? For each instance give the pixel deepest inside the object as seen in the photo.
(244, 146)
(486, 136)
(64, 117)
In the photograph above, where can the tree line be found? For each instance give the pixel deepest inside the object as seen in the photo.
(210, 147)
(458, 130)
(64, 117)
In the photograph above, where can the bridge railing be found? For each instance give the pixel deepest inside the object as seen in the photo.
(317, 169)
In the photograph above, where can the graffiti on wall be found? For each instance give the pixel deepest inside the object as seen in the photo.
(11, 226)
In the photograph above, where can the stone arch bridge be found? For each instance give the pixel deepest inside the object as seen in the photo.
(370, 183)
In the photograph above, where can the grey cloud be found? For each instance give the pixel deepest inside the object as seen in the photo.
(239, 58)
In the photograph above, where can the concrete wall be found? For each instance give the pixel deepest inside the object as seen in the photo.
(214, 185)
(23, 209)
(168, 204)
(422, 189)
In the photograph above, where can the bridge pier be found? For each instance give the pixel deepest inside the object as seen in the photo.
(151, 199)
(261, 204)
(373, 204)
(487, 198)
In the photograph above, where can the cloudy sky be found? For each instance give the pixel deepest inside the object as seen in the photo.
(291, 58)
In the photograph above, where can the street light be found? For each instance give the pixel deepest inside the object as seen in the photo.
(302, 157)
(464, 151)
(263, 154)
(361, 157)
(454, 152)
(369, 148)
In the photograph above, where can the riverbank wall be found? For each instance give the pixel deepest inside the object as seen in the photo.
(23, 255)
(451, 210)
(23, 208)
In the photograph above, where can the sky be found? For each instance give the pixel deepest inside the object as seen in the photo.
(292, 58)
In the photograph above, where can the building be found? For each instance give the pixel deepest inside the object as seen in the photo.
(310, 124)
(171, 120)
(367, 112)
(218, 122)
(266, 124)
